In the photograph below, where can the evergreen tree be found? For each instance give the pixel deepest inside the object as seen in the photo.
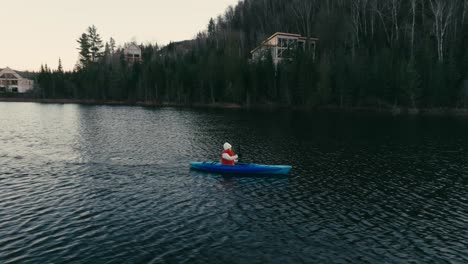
(112, 45)
(60, 68)
(85, 50)
(95, 43)
(211, 27)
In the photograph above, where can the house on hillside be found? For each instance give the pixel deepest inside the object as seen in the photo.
(132, 53)
(281, 46)
(12, 82)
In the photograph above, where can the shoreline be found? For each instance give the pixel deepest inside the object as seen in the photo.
(119, 103)
(396, 111)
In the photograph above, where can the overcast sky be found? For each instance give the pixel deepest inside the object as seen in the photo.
(35, 32)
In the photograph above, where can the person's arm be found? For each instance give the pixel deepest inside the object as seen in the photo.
(227, 157)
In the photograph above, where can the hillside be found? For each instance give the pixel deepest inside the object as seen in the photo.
(370, 53)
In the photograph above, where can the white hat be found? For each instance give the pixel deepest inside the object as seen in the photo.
(227, 146)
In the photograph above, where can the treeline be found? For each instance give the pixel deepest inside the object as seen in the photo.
(411, 53)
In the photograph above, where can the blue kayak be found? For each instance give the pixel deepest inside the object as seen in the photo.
(241, 168)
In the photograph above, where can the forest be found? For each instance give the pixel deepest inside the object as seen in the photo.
(370, 53)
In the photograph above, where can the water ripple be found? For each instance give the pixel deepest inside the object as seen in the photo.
(82, 184)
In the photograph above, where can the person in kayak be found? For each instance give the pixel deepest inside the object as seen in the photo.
(227, 156)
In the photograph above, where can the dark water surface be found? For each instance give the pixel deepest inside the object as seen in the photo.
(100, 184)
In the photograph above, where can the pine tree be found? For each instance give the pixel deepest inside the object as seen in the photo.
(211, 27)
(60, 68)
(95, 44)
(112, 45)
(107, 53)
(85, 53)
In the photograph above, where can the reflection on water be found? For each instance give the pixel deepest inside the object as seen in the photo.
(100, 184)
(232, 182)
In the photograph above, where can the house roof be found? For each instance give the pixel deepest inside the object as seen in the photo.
(281, 34)
(8, 73)
(131, 44)
(131, 48)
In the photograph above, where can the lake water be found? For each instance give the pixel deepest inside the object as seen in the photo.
(107, 184)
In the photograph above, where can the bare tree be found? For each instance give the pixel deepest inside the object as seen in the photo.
(413, 22)
(372, 16)
(465, 7)
(380, 11)
(395, 10)
(304, 10)
(442, 11)
(355, 16)
(359, 10)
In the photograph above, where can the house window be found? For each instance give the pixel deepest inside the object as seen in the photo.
(301, 44)
(14, 89)
(282, 42)
(2, 89)
(292, 42)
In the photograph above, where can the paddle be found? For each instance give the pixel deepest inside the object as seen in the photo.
(239, 152)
